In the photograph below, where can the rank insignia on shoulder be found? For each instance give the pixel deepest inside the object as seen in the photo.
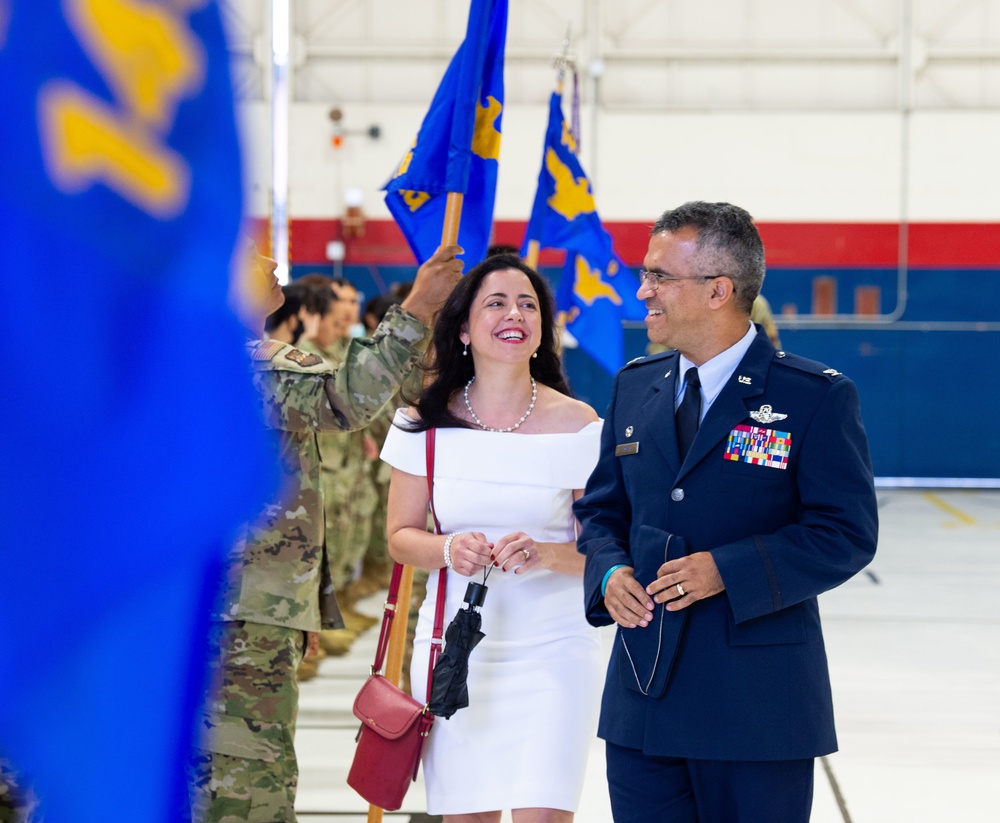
(831, 372)
(303, 359)
(266, 350)
(765, 415)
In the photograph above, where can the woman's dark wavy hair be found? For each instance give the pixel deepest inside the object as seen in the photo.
(451, 370)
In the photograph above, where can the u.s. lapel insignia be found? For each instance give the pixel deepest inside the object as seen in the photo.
(668, 374)
(765, 415)
(628, 431)
(744, 380)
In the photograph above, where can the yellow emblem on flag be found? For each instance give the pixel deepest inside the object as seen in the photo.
(589, 286)
(485, 137)
(572, 197)
(151, 61)
(414, 199)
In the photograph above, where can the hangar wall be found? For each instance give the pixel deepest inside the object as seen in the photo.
(834, 123)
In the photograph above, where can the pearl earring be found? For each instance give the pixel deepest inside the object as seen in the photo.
(465, 349)
(534, 354)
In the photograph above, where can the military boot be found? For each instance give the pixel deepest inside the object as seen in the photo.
(336, 642)
(308, 669)
(374, 577)
(354, 620)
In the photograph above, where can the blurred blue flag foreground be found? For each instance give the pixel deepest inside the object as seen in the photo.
(458, 146)
(596, 292)
(131, 447)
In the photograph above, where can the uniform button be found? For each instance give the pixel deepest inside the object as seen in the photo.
(780, 354)
(677, 494)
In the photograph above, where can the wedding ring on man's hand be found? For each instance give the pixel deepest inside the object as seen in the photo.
(680, 589)
(527, 555)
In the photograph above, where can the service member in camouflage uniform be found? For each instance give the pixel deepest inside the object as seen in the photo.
(353, 526)
(279, 586)
(345, 477)
(348, 489)
(377, 566)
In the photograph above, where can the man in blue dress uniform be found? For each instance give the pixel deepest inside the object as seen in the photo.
(734, 486)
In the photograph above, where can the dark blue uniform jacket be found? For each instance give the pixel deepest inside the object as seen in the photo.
(787, 509)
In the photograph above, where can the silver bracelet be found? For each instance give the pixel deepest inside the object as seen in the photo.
(447, 550)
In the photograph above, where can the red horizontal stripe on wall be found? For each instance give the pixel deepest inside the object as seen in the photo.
(807, 245)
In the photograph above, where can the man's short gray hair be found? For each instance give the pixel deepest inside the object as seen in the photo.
(728, 244)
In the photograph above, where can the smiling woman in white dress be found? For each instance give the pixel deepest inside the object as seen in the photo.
(513, 451)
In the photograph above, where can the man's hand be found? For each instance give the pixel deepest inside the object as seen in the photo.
(684, 581)
(434, 282)
(626, 601)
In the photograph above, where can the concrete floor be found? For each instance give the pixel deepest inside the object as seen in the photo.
(914, 648)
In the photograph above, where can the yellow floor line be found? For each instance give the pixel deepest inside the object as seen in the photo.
(944, 505)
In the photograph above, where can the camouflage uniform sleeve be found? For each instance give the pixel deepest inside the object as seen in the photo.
(300, 394)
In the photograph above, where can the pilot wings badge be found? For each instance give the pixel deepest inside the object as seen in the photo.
(765, 415)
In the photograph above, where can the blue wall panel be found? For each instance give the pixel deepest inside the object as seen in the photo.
(929, 395)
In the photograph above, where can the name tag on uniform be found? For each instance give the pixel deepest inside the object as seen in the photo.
(626, 448)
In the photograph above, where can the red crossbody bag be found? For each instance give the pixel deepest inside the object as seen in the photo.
(394, 726)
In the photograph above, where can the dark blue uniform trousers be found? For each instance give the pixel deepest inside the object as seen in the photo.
(649, 789)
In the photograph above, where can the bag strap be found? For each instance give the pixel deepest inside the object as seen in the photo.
(442, 575)
(429, 452)
(389, 611)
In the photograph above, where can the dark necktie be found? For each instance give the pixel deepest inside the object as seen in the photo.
(688, 413)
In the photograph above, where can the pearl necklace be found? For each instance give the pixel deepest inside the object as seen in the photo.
(517, 425)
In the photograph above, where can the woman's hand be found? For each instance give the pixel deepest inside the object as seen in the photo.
(518, 551)
(470, 553)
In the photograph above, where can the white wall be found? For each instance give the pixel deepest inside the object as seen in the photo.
(800, 166)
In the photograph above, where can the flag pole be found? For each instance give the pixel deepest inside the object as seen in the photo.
(397, 637)
(531, 258)
(560, 61)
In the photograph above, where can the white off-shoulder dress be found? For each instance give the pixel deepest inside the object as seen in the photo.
(535, 681)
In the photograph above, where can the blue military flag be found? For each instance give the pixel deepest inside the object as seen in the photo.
(458, 146)
(596, 292)
(132, 444)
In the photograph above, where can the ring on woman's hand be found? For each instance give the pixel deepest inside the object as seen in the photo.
(527, 555)
(680, 589)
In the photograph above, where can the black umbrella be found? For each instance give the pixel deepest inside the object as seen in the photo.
(450, 689)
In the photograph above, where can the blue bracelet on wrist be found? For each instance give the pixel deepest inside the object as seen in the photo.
(607, 575)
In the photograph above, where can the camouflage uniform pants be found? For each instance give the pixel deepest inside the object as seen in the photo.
(378, 543)
(246, 769)
(365, 505)
(350, 500)
(17, 802)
